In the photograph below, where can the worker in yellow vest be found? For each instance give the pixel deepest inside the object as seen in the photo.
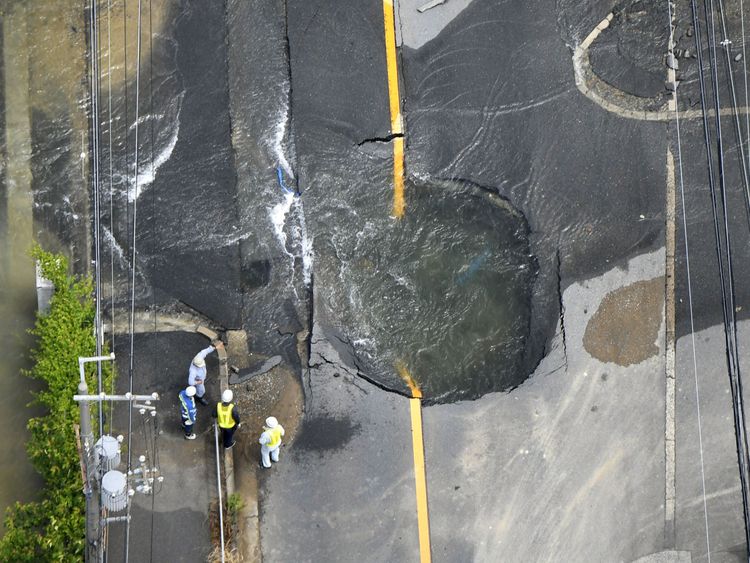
(270, 442)
(228, 418)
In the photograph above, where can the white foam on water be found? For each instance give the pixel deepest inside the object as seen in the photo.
(278, 214)
(277, 142)
(115, 246)
(305, 244)
(148, 170)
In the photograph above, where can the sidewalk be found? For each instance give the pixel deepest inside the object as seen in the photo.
(172, 525)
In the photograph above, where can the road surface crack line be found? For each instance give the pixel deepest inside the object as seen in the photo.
(386, 139)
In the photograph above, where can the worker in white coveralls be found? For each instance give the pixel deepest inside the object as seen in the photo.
(270, 442)
(197, 372)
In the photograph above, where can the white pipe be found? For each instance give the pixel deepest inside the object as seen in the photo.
(218, 483)
(83, 360)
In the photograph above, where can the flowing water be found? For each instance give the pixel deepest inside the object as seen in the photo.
(243, 213)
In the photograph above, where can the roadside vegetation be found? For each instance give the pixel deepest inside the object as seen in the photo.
(53, 527)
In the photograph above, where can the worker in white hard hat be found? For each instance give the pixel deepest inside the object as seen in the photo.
(188, 412)
(228, 417)
(270, 442)
(197, 372)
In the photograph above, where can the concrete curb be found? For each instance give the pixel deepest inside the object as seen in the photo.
(670, 381)
(224, 385)
(611, 99)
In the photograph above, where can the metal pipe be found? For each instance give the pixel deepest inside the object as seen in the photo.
(125, 397)
(85, 360)
(110, 519)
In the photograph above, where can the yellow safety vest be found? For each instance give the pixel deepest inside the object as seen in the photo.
(225, 415)
(275, 434)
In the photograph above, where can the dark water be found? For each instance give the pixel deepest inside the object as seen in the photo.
(445, 293)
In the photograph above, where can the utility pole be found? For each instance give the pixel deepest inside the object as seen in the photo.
(93, 468)
(89, 462)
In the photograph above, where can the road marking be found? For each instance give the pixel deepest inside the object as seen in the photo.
(394, 102)
(420, 480)
(420, 477)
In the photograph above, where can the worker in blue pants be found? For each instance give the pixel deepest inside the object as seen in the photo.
(188, 412)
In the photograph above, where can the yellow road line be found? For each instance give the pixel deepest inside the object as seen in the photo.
(398, 177)
(404, 374)
(394, 102)
(420, 478)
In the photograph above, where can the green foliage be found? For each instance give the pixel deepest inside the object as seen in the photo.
(53, 528)
(235, 503)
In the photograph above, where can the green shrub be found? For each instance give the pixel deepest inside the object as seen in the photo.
(53, 528)
(235, 504)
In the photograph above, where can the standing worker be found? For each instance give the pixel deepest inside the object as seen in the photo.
(270, 441)
(229, 420)
(197, 373)
(188, 411)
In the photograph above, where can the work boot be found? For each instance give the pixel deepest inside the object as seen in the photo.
(202, 400)
(191, 437)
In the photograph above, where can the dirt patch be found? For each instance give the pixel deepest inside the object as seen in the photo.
(278, 393)
(625, 327)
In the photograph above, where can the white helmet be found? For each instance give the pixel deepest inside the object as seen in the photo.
(199, 362)
(190, 391)
(271, 422)
(227, 396)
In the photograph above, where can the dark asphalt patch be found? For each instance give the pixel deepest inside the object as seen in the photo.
(322, 434)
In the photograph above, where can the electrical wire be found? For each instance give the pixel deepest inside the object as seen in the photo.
(111, 210)
(727, 289)
(133, 266)
(690, 295)
(94, 93)
(95, 54)
(155, 461)
(730, 308)
(744, 65)
(727, 48)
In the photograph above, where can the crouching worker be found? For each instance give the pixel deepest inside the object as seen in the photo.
(188, 412)
(270, 441)
(229, 419)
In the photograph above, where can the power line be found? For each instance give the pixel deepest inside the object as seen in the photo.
(726, 282)
(690, 295)
(133, 267)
